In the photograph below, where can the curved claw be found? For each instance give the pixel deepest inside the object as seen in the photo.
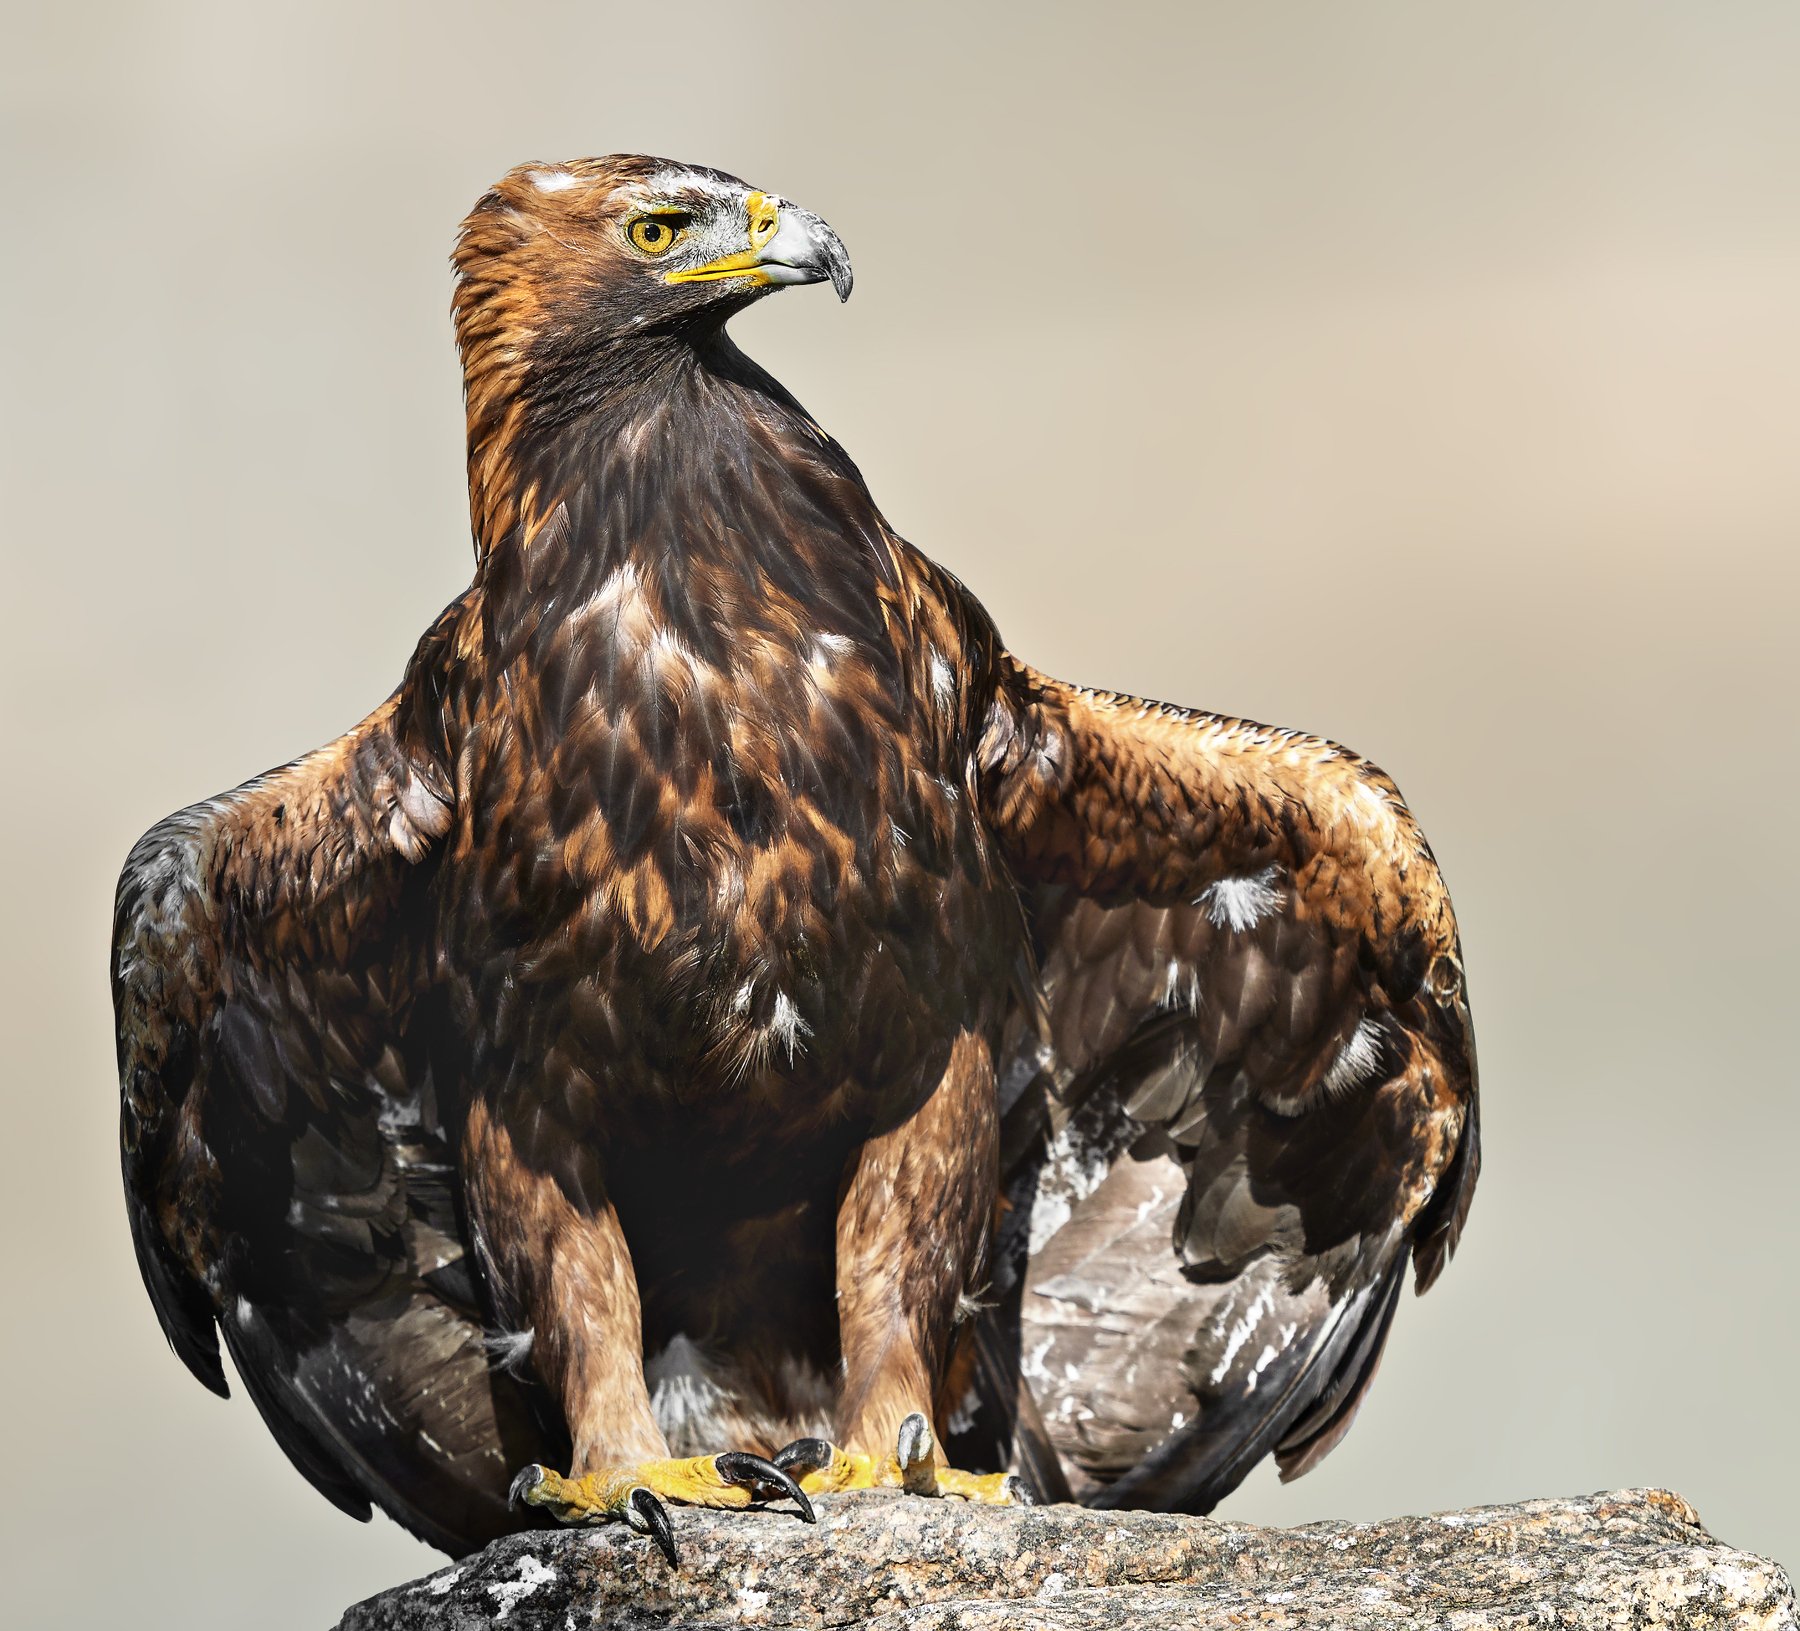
(808, 1454)
(915, 1439)
(524, 1482)
(648, 1516)
(918, 1471)
(753, 1473)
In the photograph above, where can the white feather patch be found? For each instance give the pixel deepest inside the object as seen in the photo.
(684, 1397)
(787, 1027)
(1242, 1329)
(943, 682)
(1181, 987)
(1074, 1167)
(1356, 1061)
(509, 1351)
(1241, 903)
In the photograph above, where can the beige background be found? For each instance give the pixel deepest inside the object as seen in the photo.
(1424, 375)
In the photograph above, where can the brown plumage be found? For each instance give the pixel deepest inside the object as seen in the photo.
(624, 1041)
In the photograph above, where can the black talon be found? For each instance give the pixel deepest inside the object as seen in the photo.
(651, 1518)
(753, 1473)
(915, 1439)
(526, 1480)
(808, 1454)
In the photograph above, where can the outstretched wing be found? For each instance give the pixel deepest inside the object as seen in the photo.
(286, 1167)
(1240, 1094)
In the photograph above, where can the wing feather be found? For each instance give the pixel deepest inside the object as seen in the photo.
(286, 1157)
(1245, 1088)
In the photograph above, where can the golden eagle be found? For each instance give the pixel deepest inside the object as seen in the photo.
(726, 1029)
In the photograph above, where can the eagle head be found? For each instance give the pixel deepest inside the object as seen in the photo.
(598, 250)
(579, 280)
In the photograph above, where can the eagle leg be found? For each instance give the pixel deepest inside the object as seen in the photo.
(631, 1491)
(566, 1271)
(824, 1469)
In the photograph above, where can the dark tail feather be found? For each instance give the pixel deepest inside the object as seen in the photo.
(1195, 1469)
(1315, 1434)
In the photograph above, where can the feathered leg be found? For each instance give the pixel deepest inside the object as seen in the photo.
(912, 1239)
(553, 1244)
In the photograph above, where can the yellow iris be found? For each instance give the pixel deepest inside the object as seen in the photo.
(656, 234)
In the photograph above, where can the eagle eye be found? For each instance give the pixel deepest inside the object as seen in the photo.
(656, 234)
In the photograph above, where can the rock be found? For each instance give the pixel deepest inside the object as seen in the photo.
(890, 1562)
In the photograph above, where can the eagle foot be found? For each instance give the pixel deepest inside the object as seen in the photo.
(635, 1492)
(823, 1468)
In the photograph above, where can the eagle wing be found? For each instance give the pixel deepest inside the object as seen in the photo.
(287, 1169)
(1239, 1092)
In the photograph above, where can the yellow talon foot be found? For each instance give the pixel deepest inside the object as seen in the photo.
(632, 1492)
(984, 1488)
(823, 1469)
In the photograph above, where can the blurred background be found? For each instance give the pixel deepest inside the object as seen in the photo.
(1424, 376)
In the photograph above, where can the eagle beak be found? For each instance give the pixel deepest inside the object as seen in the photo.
(787, 245)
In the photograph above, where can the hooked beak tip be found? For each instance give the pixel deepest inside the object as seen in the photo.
(823, 254)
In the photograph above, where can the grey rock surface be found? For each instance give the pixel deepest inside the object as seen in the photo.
(897, 1563)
